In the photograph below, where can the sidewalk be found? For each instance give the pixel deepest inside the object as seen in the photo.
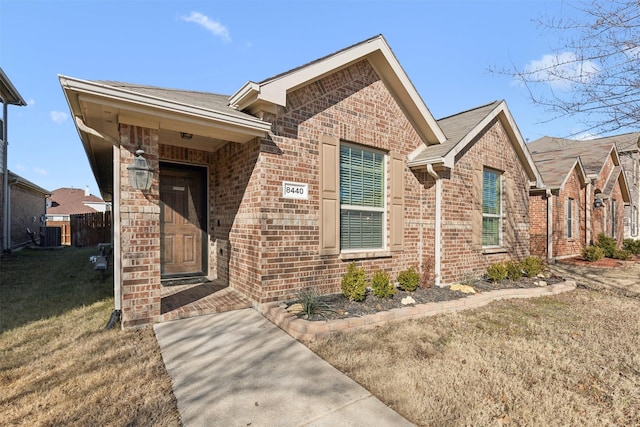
(238, 369)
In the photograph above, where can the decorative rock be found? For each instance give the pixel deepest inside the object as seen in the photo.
(407, 301)
(541, 283)
(295, 308)
(462, 288)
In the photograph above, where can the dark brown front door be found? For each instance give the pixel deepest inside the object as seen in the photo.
(182, 220)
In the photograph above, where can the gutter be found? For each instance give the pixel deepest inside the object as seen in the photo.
(438, 226)
(549, 225)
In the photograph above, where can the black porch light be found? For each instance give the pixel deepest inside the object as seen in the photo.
(140, 174)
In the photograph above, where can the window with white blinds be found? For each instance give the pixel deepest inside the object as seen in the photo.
(491, 208)
(362, 198)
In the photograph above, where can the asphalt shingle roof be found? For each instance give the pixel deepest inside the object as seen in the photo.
(69, 201)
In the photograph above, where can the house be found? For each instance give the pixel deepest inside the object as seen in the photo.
(65, 202)
(27, 205)
(585, 194)
(8, 96)
(628, 146)
(278, 187)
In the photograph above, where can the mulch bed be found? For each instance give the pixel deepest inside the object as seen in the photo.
(343, 308)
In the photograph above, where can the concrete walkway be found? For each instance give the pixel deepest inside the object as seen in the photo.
(238, 369)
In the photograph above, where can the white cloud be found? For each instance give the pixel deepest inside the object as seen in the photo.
(214, 27)
(586, 136)
(58, 116)
(31, 102)
(561, 70)
(40, 171)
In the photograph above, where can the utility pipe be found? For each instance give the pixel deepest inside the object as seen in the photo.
(438, 227)
(549, 225)
(6, 242)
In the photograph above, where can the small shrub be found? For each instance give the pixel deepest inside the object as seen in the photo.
(312, 305)
(532, 266)
(592, 253)
(607, 244)
(622, 254)
(408, 279)
(514, 269)
(381, 286)
(632, 246)
(354, 283)
(497, 272)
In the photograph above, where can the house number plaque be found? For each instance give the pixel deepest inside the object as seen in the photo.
(295, 190)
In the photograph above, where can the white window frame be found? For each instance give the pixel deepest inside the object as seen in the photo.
(382, 210)
(569, 218)
(612, 220)
(500, 214)
(634, 221)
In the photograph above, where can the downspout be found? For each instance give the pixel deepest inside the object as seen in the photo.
(116, 315)
(438, 227)
(6, 225)
(587, 215)
(549, 225)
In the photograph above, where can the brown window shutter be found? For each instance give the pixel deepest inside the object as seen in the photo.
(396, 241)
(476, 213)
(329, 195)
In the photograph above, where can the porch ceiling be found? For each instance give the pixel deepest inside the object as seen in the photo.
(99, 109)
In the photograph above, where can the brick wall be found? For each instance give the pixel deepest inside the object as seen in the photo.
(562, 245)
(27, 210)
(491, 148)
(538, 218)
(139, 232)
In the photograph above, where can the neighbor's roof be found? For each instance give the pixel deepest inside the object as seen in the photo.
(69, 201)
(593, 153)
(8, 92)
(554, 171)
(15, 179)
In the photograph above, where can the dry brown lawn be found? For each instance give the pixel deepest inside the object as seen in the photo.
(58, 365)
(568, 360)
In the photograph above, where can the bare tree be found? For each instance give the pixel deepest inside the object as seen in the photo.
(594, 71)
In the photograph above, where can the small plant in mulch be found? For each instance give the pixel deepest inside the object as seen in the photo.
(497, 272)
(312, 305)
(408, 280)
(632, 246)
(622, 254)
(592, 253)
(532, 266)
(381, 285)
(514, 269)
(607, 244)
(354, 283)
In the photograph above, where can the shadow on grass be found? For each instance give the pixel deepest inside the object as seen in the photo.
(38, 283)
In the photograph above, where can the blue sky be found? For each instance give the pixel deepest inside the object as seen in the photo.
(446, 48)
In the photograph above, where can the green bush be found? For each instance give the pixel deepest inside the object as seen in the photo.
(497, 272)
(592, 253)
(514, 269)
(632, 246)
(354, 283)
(607, 244)
(408, 279)
(622, 254)
(532, 266)
(312, 304)
(381, 286)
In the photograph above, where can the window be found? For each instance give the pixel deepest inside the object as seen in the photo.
(570, 208)
(634, 221)
(362, 198)
(491, 208)
(613, 218)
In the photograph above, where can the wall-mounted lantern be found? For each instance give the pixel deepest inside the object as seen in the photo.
(597, 203)
(140, 174)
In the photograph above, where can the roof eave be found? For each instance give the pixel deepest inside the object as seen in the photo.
(14, 97)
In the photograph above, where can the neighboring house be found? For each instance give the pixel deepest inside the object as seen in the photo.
(629, 150)
(27, 206)
(585, 194)
(280, 186)
(8, 96)
(65, 202)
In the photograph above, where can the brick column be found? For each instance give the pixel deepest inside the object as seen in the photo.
(139, 232)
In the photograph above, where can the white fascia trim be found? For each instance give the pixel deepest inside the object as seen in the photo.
(105, 91)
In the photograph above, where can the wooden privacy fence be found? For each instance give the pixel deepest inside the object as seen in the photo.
(90, 229)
